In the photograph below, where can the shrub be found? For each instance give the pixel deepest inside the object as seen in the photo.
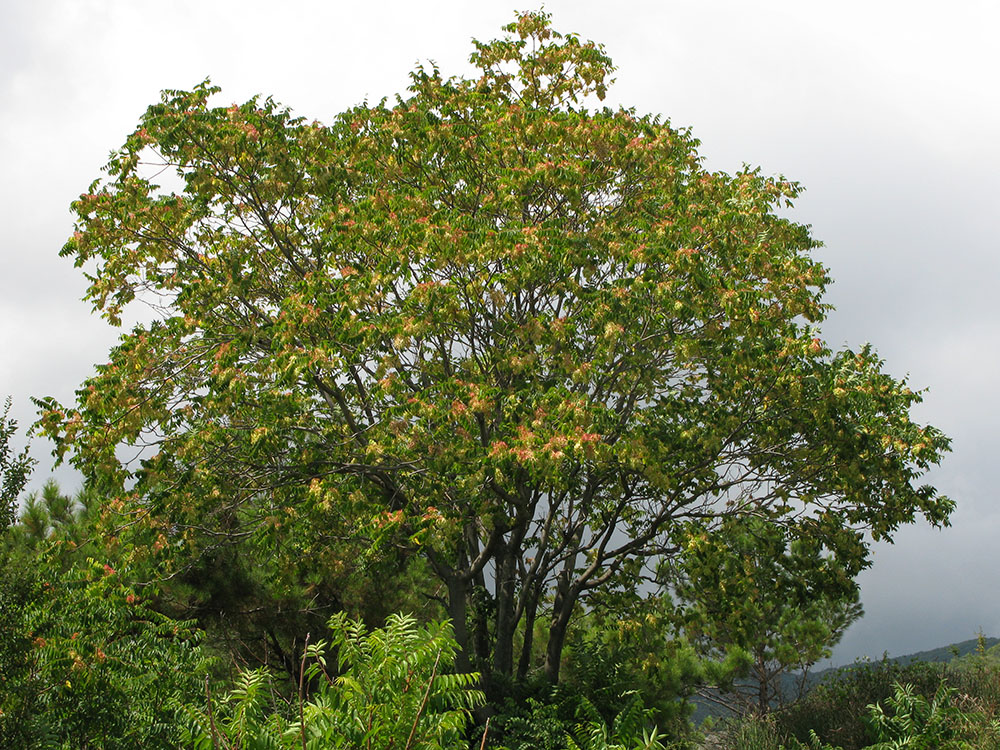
(87, 663)
(837, 708)
(394, 690)
(751, 732)
(530, 724)
(631, 729)
(894, 706)
(913, 721)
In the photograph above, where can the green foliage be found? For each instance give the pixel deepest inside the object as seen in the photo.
(626, 649)
(631, 729)
(86, 662)
(522, 339)
(257, 613)
(85, 659)
(917, 705)
(906, 720)
(15, 468)
(750, 732)
(394, 690)
(617, 655)
(976, 678)
(565, 720)
(18, 590)
(531, 724)
(762, 599)
(52, 520)
(244, 718)
(837, 708)
(912, 721)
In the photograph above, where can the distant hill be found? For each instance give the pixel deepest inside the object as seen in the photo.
(946, 653)
(942, 654)
(704, 708)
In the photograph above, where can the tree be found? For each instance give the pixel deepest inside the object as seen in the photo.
(53, 515)
(523, 339)
(763, 601)
(15, 468)
(85, 658)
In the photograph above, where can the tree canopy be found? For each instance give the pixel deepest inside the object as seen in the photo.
(490, 324)
(763, 605)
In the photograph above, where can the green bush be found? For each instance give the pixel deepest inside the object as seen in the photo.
(926, 714)
(751, 732)
(625, 649)
(631, 729)
(393, 691)
(837, 709)
(530, 724)
(913, 721)
(86, 663)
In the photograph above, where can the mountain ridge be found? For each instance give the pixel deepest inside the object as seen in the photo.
(940, 654)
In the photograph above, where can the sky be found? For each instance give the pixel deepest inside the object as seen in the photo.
(886, 111)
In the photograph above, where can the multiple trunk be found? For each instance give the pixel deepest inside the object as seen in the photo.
(493, 615)
(497, 590)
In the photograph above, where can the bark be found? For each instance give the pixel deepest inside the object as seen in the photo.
(562, 610)
(530, 612)
(508, 610)
(503, 655)
(458, 597)
(763, 697)
(567, 591)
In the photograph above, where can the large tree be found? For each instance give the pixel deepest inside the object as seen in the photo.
(489, 323)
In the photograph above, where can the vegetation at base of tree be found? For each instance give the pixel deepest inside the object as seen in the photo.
(490, 353)
(882, 705)
(626, 651)
(85, 662)
(393, 687)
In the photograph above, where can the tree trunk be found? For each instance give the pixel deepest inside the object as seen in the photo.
(503, 654)
(531, 609)
(554, 648)
(763, 704)
(562, 608)
(458, 597)
(482, 604)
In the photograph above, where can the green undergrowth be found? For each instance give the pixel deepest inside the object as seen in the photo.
(885, 706)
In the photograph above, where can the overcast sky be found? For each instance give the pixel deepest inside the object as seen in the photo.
(887, 112)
